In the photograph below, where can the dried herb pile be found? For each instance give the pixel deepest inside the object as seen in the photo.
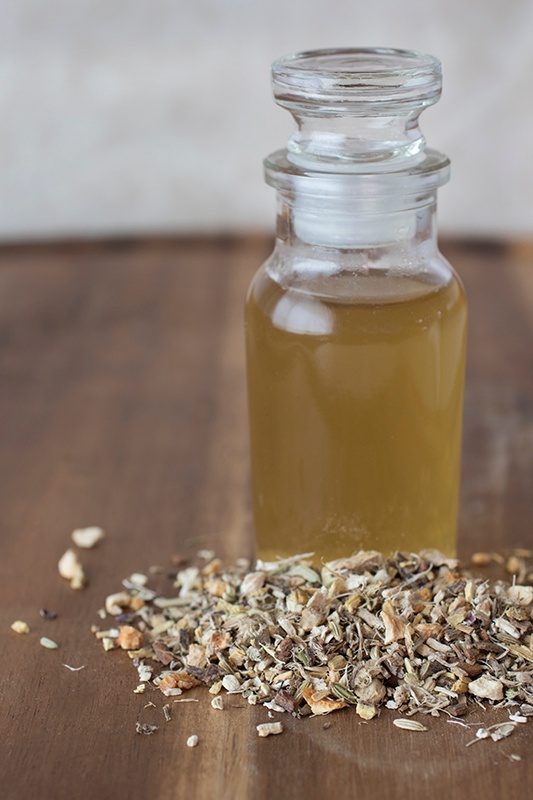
(413, 633)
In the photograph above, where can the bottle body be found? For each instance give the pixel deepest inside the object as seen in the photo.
(355, 398)
(356, 324)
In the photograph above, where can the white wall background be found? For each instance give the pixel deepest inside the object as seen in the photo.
(134, 116)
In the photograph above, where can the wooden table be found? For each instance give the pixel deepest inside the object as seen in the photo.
(122, 404)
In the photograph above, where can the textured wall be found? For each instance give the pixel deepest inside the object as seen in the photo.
(130, 116)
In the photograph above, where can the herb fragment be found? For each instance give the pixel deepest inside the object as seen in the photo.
(147, 730)
(45, 614)
(500, 730)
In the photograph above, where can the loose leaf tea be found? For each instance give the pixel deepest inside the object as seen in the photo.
(412, 632)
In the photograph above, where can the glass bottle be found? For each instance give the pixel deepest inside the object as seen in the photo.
(356, 324)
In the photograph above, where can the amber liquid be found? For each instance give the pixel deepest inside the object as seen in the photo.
(355, 411)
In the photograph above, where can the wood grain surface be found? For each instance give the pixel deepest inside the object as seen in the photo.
(122, 404)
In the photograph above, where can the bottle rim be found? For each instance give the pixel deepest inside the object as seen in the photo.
(347, 80)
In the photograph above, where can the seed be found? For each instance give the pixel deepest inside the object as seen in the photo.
(48, 643)
(409, 724)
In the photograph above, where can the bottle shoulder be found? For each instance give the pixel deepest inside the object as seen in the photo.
(356, 278)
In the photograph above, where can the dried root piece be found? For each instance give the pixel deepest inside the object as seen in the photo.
(269, 729)
(320, 704)
(177, 680)
(366, 711)
(252, 583)
(315, 611)
(394, 626)
(129, 638)
(523, 595)
(115, 603)
(87, 537)
(20, 627)
(70, 568)
(486, 687)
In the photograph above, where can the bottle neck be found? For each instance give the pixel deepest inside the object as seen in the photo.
(307, 223)
(356, 173)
